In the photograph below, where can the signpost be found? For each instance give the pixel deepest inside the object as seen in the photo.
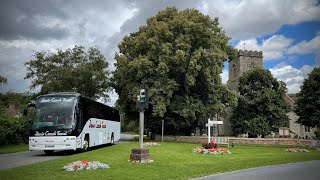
(140, 154)
(211, 123)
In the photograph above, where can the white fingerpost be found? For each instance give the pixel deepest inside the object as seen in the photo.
(208, 130)
(211, 123)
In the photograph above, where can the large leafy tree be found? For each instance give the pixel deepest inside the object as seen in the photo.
(178, 55)
(70, 70)
(261, 106)
(308, 100)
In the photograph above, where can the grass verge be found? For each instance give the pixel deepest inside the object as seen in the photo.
(171, 161)
(6, 149)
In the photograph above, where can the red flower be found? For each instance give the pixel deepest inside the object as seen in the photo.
(209, 145)
(85, 162)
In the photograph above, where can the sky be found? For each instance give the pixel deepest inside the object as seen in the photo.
(286, 31)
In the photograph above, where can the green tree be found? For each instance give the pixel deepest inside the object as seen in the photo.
(70, 70)
(261, 106)
(3, 80)
(18, 100)
(308, 100)
(178, 55)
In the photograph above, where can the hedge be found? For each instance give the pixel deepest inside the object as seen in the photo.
(14, 130)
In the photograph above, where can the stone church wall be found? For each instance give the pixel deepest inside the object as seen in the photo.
(266, 141)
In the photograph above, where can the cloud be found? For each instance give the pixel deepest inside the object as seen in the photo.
(224, 76)
(28, 26)
(25, 19)
(307, 47)
(273, 48)
(32, 26)
(293, 77)
(244, 19)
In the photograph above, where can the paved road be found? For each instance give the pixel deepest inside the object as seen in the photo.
(309, 170)
(8, 161)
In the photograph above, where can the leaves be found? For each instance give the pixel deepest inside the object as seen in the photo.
(261, 106)
(70, 70)
(178, 55)
(308, 100)
(3, 80)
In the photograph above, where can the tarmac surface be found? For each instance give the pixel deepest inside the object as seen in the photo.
(309, 170)
(13, 160)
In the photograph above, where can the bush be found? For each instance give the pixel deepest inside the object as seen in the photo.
(132, 127)
(13, 130)
(317, 133)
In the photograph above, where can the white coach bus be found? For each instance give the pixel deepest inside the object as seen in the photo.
(70, 121)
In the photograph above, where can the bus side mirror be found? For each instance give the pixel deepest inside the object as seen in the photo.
(25, 110)
(77, 111)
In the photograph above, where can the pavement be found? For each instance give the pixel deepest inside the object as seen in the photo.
(8, 161)
(13, 160)
(126, 137)
(309, 170)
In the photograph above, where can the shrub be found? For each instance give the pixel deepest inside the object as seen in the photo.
(317, 133)
(13, 130)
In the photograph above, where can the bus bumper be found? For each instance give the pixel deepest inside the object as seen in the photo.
(52, 143)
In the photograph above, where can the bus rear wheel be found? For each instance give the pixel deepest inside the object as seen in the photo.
(112, 139)
(48, 152)
(86, 143)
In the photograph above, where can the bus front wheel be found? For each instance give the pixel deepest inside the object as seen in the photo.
(48, 152)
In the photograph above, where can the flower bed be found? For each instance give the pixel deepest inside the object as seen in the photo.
(84, 165)
(151, 144)
(211, 151)
(296, 150)
(209, 145)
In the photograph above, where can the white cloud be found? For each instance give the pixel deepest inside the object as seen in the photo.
(291, 76)
(243, 19)
(105, 23)
(224, 76)
(273, 48)
(306, 47)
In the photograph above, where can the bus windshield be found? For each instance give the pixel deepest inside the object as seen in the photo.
(54, 112)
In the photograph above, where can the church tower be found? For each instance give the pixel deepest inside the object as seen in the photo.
(245, 61)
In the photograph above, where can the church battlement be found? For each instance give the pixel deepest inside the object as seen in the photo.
(245, 61)
(250, 53)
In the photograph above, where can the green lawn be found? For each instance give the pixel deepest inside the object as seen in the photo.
(171, 161)
(6, 149)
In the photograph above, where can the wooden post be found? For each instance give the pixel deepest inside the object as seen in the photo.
(162, 130)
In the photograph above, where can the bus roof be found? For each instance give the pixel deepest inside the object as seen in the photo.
(73, 94)
(62, 93)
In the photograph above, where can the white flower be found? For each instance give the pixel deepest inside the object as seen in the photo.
(83, 164)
